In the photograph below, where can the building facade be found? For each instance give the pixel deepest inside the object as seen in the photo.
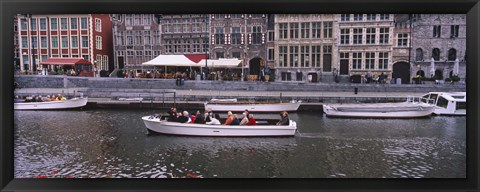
(305, 47)
(401, 49)
(441, 37)
(365, 45)
(64, 36)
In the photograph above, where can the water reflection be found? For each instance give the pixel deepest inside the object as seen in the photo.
(107, 143)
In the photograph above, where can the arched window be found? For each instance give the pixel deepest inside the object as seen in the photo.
(419, 54)
(436, 54)
(452, 54)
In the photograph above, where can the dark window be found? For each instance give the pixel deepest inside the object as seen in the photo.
(437, 30)
(454, 31)
(299, 76)
(442, 102)
(436, 54)
(419, 54)
(219, 55)
(452, 54)
(286, 76)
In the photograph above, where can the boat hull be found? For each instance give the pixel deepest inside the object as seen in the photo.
(161, 126)
(379, 110)
(273, 107)
(51, 105)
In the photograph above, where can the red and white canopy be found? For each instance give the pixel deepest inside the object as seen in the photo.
(65, 61)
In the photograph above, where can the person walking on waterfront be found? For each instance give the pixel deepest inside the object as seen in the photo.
(251, 120)
(284, 120)
(229, 119)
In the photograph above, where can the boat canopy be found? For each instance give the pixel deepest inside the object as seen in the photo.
(172, 60)
(65, 61)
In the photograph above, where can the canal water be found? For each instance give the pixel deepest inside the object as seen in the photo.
(115, 144)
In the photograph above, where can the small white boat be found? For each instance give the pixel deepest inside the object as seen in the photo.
(223, 100)
(155, 124)
(447, 103)
(408, 109)
(75, 102)
(252, 107)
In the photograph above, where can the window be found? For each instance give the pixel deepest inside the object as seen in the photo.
(437, 30)
(271, 54)
(63, 23)
(402, 40)
(371, 17)
(384, 35)
(129, 38)
(84, 41)
(293, 56)
(139, 56)
(293, 30)
(83, 23)
(282, 56)
(34, 41)
(147, 38)
(43, 24)
(452, 54)
(257, 35)
(316, 30)
(54, 42)
(345, 36)
(283, 30)
(138, 19)
(236, 16)
(33, 24)
(176, 25)
(454, 31)
(286, 76)
(369, 60)
(53, 23)
(185, 27)
(64, 42)
(316, 54)
(357, 61)
(271, 36)
(219, 55)
(327, 58)
(236, 54)
(219, 36)
(24, 42)
(305, 30)
(370, 35)
(327, 29)
(219, 16)
(23, 24)
(128, 19)
(236, 36)
(384, 16)
(357, 36)
(358, 17)
(383, 60)
(436, 54)
(156, 37)
(74, 41)
(98, 42)
(146, 19)
(73, 23)
(304, 56)
(43, 42)
(86, 57)
(419, 54)
(345, 17)
(98, 25)
(138, 38)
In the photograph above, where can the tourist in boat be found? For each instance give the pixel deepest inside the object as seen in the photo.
(229, 119)
(214, 120)
(208, 116)
(235, 120)
(53, 97)
(45, 99)
(251, 120)
(172, 114)
(244, 120)
(199, 118)
(193, 117)
(183, 118)
(18, 100)
(284, 120)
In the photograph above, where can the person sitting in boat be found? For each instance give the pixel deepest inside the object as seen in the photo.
(284, 120)
(208, 116)
(172, 115)
(193, 117)
(214, 120)
(244, 120)
(18, 100)
(45, 99)
(235, 120)
(60, 98)
(53, 98)
(183, 118)
(229, 119)
(251, 120)
(29, 99)
(199, 118)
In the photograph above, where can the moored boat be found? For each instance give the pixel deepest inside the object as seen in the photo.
(252, 106)
(408, 109)
(75, 102)
(156, 124)
(447, 103)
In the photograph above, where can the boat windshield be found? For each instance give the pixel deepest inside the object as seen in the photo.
(442, 102)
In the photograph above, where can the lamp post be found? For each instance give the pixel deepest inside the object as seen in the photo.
(34, 65)
(206, 48)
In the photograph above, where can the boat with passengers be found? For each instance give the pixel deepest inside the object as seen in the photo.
(447, 103)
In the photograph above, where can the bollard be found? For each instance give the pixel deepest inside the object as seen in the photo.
(356, 90)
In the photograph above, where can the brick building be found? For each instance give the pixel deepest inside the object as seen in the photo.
(65, 36)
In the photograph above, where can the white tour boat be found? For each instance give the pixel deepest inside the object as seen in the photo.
(75, 102)
(155, 124)
(408, 109)
(252, 106)
(447, 103)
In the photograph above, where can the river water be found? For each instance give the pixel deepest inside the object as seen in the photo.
(115, 144)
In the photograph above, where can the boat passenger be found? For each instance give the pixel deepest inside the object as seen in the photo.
(183, 118)
(214, 120)
(53, 98)
(284, 120)
(45, 99)
(244, 119)
(29, 99)
(251, 120)
(193, 117)
(199, 119)
(173, 115)
(18, 100)
(235, 120)
(229, 118)
(208, 116)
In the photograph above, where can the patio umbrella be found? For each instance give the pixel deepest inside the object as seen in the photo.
(455, 67)
(432, 67)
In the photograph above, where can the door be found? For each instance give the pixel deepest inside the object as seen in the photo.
(121, 62)
(344, 67)
(401, 70)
